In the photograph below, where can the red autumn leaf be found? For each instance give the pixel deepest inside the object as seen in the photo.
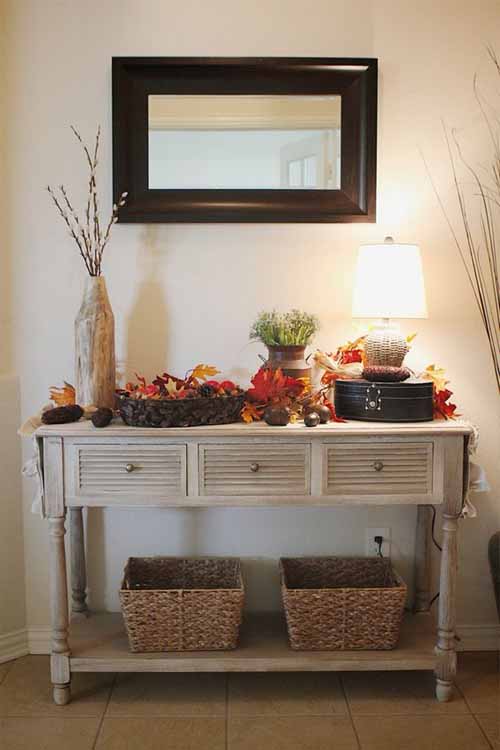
(350, 356)
(441, 407)
(271, 385)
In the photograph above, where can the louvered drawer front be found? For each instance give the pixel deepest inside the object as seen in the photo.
(378, 468)
(153, 470)
(254, 470)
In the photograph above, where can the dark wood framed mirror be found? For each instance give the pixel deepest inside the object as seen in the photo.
(245, 139)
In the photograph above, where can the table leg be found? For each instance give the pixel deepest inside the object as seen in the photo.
(445, 649)
(422, 560)
(59, 662)
(78, 568)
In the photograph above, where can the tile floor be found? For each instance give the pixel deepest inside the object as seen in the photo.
(356, 711)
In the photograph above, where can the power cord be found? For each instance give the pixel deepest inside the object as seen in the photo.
(433, 528)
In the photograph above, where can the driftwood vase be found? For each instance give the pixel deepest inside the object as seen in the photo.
(95, 347)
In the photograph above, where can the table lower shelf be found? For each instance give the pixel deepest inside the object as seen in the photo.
(99, 644)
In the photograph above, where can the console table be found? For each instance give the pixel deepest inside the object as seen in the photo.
(356, 463)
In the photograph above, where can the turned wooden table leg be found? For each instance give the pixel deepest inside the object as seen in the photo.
(78, 569)
(446, 667)
(59, 662)
(447, 657)
(422, 560)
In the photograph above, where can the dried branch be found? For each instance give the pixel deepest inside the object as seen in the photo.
(479, 249)
(88, 234)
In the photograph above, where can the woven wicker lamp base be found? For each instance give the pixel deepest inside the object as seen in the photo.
(385, 345)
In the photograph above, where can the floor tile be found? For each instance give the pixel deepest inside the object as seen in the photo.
(4, 668)
(26, 691)
(490, 724)
(162, 734)
(478, 678)
(168, 695)
(286, 694)
(291, 733)
(397, 693)
(419, 733)
(48, 734)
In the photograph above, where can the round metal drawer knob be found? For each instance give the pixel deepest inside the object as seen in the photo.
(254, 466)
(378, 465)
(129, 468)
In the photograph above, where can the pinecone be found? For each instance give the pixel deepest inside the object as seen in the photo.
(62, 414)
(206, 390)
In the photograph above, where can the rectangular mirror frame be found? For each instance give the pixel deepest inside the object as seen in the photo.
(353, 79)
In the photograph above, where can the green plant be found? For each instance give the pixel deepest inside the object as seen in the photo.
(294, 328)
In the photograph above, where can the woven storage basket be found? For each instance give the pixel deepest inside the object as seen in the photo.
(335, 603)
(182, 604)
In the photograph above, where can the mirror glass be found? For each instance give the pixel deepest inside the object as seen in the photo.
(244, 142)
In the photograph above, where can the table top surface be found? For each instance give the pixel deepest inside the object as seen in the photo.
(85, 429)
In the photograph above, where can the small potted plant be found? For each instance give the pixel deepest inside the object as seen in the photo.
(286, 336)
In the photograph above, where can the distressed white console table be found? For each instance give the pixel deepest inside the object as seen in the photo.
(356, 463)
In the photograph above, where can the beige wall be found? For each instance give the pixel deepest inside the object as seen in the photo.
(12, 590)
(183, 294)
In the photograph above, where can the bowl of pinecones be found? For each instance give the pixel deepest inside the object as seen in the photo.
(173, 402)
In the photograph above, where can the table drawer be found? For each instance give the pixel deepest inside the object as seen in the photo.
(378, 468)
(260, 469)
(158, 470)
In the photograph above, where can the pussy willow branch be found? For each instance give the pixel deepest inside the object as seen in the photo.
(88, 234)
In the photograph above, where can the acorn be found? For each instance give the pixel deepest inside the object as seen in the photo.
(102, 417)
(323, 413)
(62, 414)
(277, 416)
(321, 410)
(311, 419)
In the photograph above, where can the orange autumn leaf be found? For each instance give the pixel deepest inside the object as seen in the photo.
(250, 413)
(64, 396)
(203, 372)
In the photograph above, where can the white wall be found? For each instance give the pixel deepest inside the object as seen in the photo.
(183, 294)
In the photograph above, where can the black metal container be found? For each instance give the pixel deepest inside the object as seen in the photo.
(409, 401)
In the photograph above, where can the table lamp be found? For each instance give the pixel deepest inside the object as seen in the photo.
(389, 284)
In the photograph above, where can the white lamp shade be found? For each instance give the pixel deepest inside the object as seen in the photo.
(389, 282)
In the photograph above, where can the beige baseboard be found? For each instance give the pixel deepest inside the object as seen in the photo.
(13, 645)
(478, 637)
(39, 640)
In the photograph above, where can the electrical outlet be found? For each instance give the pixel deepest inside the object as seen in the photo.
(371, 546)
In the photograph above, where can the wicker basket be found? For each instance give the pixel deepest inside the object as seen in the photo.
(188, 412)
(334, 603)
(182, 604)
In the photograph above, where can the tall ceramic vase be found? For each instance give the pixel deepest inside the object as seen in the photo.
(95, 347)
(290, 359)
